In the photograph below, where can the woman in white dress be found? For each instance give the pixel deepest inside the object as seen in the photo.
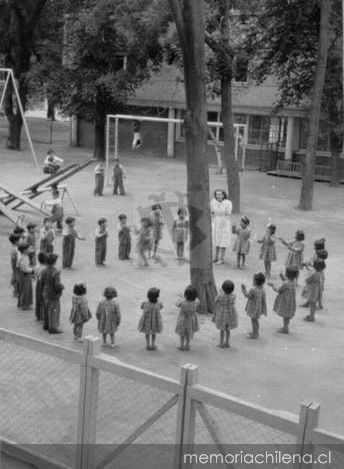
(221, 209)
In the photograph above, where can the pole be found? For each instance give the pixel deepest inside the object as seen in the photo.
(107, 149)
(4, 90)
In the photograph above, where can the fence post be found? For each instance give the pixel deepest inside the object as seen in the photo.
(309, 419)
(180, 417)
(88, 401)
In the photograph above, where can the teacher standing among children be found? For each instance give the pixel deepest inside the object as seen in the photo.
(221, 209)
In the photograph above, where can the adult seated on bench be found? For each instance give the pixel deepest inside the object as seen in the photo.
(52, 163)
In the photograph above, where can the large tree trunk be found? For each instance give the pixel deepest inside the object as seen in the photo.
(306, 196)
(189, 17)
(99, 130)
(14, 118)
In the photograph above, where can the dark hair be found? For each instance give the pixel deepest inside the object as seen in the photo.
(153, 294)
(55, 191)
(23, 247)
(300, 235)
(122, 216)
(319, 265)
(224, 193)
(13, 238)
(190, 293)
(246, 220)
(50, 151)
(47, 219)
(31, 225)
(272, 228)
(18, 230)
(291, 273)
(51, 258)
(42, 258)
(322, 254)
(147, 221)
(156, 207)
(80, 289)
(110, 292)
(181, 210)
(69, 220)
(101, 221)
(228, 287)
(259, 279)
(319, 244)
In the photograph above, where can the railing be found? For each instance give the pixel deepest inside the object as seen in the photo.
(61, 408)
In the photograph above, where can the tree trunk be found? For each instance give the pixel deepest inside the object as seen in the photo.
(189, 18)
(51, 110)
(307, 190)
(15, 122)
(232, 167)
(99, 130)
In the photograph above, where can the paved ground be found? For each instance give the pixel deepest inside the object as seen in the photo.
(276, 371)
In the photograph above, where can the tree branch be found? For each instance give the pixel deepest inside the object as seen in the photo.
(177, 11)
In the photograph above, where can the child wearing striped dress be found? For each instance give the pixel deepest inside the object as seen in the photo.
(295, 255)
(268, 249)
(242, 242)
(226, 316)
(109, 316)
(313, 288)
(285, 301)
(180, 232)
(187, 321)
(256, 303)
(150, 322)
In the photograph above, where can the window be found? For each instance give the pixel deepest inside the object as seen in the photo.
(258, 130)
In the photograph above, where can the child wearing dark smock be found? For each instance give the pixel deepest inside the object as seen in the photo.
(47, 237)
(268, 249)
(124, 238)
(226, 316)
(52, 292)
(118, 177)
(256, 303)
(25, 294)
(242, 242)
(30, 239)
(295, 254)
(80, 312)
(313, 288)
(180, 232)
(285, 301)
(14, 240)
(109, 316)
(101, 241)
(39, 300)
(150, 322)
(187, 321)
(69, 235)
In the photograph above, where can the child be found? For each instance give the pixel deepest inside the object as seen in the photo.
(68, 244)
(268, 250)
(313, 288)
(226, 317)
(295, 255)
(285, 302)
(14, 240)
(47, 237)
(52, 292)
(79, 313)
(39, 300)
(144, 240)
(256, 303)
(187, 322)
(57, 209)
(150, 322)
(25, 296)
(180, 232)
(157, 226)
(99, 179)
(30, 239)
(52, 163)
(124, 239)
(137, 139)
(108, 315)
(319, 253)
(101, 241)
(242, 243)
(118, 176)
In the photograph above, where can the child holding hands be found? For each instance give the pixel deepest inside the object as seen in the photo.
(109, 316)
(256, 303)
(150, 322)
(187, 322)
(80, 313)
(226, 317)
(285, 302)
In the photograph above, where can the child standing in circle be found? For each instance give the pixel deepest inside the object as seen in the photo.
(68, 244)
(313, 288)
(124, 238)
(180, 232)
(256, 303)
(25, 294)
(108, 315)
(14, 240)
(57, 211)
(268, 249)
(157, 227)
(39, 300)
(144, 241)
(80, 312)
(118, 178)
(101, 241)
(150, 322)
(242, 243)
(187, 321)
(295, 255)
(285, 302)
(226, 317)
(99, 179)
(47, 237)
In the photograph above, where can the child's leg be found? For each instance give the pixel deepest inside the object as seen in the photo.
(311, 316)
(104, 338)
(79, 330)
(182, 343)
(112, 339)
(243, 258)
(285, 328)
(153, 342)
(187, 344)
(217, 253)
(255, 327)
(147, 342)
(222, 254)
(75, 331)
(222, 336)
(267, 265)
(155, 247)
(238, 260)
(228, 334)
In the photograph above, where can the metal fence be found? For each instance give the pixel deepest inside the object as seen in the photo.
(60, 408)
